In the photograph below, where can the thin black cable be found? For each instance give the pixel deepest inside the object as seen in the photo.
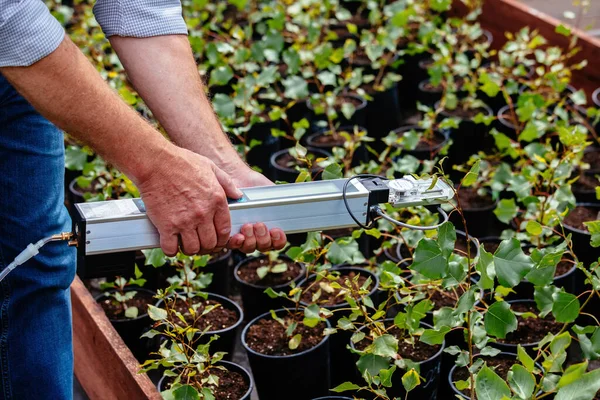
(345, 188)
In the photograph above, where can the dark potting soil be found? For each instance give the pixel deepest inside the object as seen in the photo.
(286, 160)
(216, 319)
(268, 337)
(117, 312)
(490, 247)
(470, 199)
(417, 352)
(579, 215)
(247, 273)
(592, 158)
(232, 385)
(429, 87)
(333, 298)
(530, 330)
(460, 247)
(330, 140)
(586, 183)
(499, 364)
(341, 100)
(445, 298)
(463, 113)
(427, 142)
(563, 267)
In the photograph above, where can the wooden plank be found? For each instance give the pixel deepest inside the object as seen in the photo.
(500, 16)
(104, 365)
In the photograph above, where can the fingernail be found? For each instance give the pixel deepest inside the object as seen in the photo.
(239, 193)
(225, 231)
(276, 235)
(248, 232)
(261, 231)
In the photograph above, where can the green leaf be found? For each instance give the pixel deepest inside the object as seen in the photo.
(295, 88)
(533, 228)
(312, 316)
(563, 30)
(511, 263)
(411, 380)
(429, 260)
(262, 272)
(506, 210)
(572, 373)
(348, 110)
(332, 171)
(385, 346)
(471, 176)
(131, 312)
(594, 228)
(295, 341)
(447, 238)
(221, 75)
(485, 267)
(433, 336)
(224, 106)
(186, 392)
(584, 388)
(75, 158)
(386, 376)
(489, 386)
(157, 314)
(344, 387)
(566, 307)
(372, 364)
(344, 251)
(525, 359)
(521, 381)
(500, 320)
(155, 257)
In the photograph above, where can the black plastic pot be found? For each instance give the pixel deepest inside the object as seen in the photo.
(221, 267)
(341, 359)
(470, 138)
(426, 152)
(413, 70)
(358, 118)
(333, 398)
(288, 174)
(227, 336)
(586, 193)
(254, 299)
(360, 155)
(581, 240)
(456, 392)
(75, 194)
(232, 367)
(596, 101)
(481, 221)
(130, 329)
(300, 376)
(429, 369)
(504, 125)
(383, 113)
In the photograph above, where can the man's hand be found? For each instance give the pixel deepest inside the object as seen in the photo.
(186, 199)
(255, 236)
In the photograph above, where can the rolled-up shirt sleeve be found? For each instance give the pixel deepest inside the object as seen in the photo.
(140, 18)
(28, 32)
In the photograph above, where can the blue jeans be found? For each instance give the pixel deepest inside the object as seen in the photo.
(36, 356)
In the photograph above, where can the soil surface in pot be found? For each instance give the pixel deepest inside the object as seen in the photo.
(530, 330)
(445, 298)
(592, 158)
(216, 319)
(286, 160)
(332, 297)
(463, 113)
(427, 143)
(579, 215)
(247, 273)
(329, 140)
(418, 351)
(585, 183)
(117, 312)
(430, 87)
(470, 199)
(490, 247)
(500, 365)
(461, 248)
(232, 385)
(268, 337)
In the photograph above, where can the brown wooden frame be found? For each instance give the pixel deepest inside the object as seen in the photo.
(500, 16)
(104, 365)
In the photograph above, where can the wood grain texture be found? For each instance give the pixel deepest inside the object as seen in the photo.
(104, 365)
(500, 16)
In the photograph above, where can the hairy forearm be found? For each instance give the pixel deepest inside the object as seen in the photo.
(164, 73)
(66, 89)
